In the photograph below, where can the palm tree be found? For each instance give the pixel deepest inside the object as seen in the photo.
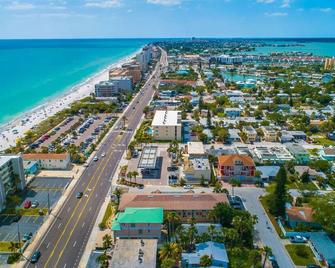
(168, 263)
(107, 241)
(268, 251)
(135, 174)
(172, 219)
(212, 231)
(118, 192)
(192, 231)
(170, 250)
(205, 261)
(103, 260)
(129, 175)
(14, 246)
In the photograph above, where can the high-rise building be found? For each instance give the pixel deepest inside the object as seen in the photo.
(106, 89)
(11, 177)
(329, 63)
(125, 83)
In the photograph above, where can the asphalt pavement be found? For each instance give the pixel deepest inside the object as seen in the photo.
(65, 241)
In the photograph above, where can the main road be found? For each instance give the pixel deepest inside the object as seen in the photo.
(64, 242)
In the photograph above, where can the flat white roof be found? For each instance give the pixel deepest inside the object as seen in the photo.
(166, 118)
(195, 148)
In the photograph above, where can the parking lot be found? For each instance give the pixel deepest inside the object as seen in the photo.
(25, 225)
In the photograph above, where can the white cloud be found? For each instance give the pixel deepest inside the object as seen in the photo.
(326, 10)
(164, 2)
(286, 3)
(20, 6)
(276, 14)
(104, 4)
(265, 1)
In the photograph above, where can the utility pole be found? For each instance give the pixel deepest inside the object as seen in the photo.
(48, 203)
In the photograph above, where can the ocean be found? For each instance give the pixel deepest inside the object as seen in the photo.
(34, 71)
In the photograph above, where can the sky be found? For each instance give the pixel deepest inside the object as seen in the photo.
(166, 18)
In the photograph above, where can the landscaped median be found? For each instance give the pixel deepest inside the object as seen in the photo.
(301, 255)
(9, 247)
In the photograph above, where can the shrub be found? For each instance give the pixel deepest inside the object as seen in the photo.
(302, 252)
(13, 258)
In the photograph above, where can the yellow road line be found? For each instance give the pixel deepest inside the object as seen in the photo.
(75, 209)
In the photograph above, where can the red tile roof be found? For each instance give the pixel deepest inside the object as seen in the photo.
(63, 156)
(304, 214)
(229, 160)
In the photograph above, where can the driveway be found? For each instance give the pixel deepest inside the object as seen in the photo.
(269, 237)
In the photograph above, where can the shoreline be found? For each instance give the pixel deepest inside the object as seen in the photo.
(50, 106)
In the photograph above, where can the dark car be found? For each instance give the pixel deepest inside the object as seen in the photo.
(79, 195)
(313, 266)
(274, 264)
(35, 257)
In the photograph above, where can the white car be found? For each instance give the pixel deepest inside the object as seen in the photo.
(298, 239)
(188, 187)
(103, 154)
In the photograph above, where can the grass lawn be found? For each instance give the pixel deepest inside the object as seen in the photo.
(5, 246)
(310, 186)
(298, 258)
(272, 218)
(241, 258)
(323, 141)
(107, 216)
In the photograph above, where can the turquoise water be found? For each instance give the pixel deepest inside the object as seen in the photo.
(32, 71)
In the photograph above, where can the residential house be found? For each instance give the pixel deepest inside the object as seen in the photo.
(216, 251)
(232, 112)
(272, 154)
(311, 172)
(234, 135)
(327, 154)
(138, 223)
(268, 173)
(300, 155)
(186, 205)
(251, 133)
(323, 248)
(49, 161)
(300, 216)
(236, 166)
(270, 134)
(290, 136)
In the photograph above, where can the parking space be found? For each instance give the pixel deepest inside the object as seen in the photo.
(49, 183)
(10, 229)
(42, 197)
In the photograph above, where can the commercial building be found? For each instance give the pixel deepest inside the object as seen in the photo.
(133, 70)
(138, 223)
(270, 134)
(196, 164)
(329, 63)
(167, 125)
(11, 177)
(134, 253)
(272, 154)
(186, 205)
(216, 251)
(49, 161)
(106, 89)
(250, 132)
(125, 83)
(300, 155)
(236, 166)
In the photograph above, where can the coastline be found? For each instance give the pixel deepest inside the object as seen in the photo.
(54, 104)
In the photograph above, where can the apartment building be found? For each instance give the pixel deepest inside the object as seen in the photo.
(125, 83)
(11, 177)
(138, 223)
(49, 161)
(106, 89)
(186, 205)
(250, 132)
(300, 155)
(270, 134)
(196, 164)
(167, 125)
(236, 166)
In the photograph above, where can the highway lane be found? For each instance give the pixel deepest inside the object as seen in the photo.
(66, 239)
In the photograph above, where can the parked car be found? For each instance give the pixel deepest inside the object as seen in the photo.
(27, 204)
(26, 237)
(103, 154)
(35, 257)
(34, 204)
(188, 187)
(95, 158)
(313, 266)
(79, 195)
(298, 239)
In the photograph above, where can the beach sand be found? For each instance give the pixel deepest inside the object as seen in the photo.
(16, 128)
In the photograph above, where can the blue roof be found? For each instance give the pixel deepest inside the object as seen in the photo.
(324, 246)
(214, 249)
(268, 171)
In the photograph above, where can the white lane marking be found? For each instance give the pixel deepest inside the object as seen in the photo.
(59, 225)
(82, 226)
(64, 265)
(68, 209)
(48, 245)
(90, 209)
(74, 244)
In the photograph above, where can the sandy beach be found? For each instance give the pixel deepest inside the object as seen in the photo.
(16, 128)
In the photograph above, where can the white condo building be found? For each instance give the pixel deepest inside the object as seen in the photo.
(11, 177)
(167, 125)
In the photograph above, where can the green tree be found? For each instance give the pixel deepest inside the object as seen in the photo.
(205, 261)
(107, 241)
(168, 263)
(103, 260)
(135, 174)
(118, 192)
(305, 177)
(170, 251)
(222, 213)
(278, 198)
(324, 211)
(173, 220)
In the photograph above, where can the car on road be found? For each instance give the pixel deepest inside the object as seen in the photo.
(313, 266)
(298, 239)
(103, 154)
(35, 204)
(141, 186)
(188, 187)
(79, 195)
(35, 257)
(27, 204)
(273, 261)
(95, 158)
